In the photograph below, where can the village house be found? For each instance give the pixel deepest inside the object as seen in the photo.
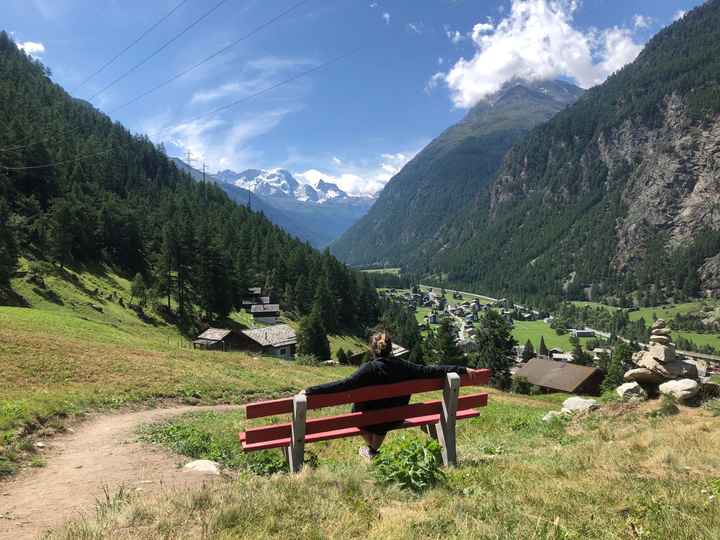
(279, 340)
(265, 313)
(218, 339)
(584, 332)
(562, 376)
(562, 357)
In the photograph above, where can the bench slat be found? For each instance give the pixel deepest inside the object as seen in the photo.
(361, 419)
(352, 431)
(367, 393)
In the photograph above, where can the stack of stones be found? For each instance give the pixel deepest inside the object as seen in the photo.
(660, 369)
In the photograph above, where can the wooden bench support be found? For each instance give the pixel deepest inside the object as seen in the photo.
(297, 440)
(446, 433)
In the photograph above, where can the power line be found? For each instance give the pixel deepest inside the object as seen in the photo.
(158, 50)
(131, 45)
(177, 76)
(213, 55)
(276, 85)
(214, 111)
(103, 67)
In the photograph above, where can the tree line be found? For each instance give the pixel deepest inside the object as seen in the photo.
(185, 244)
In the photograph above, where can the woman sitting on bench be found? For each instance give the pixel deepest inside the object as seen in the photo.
(383, 369)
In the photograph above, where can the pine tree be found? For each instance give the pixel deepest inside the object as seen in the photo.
(138, 290)
(446, 350)
(543, 350)
(529, 351)
(312, 338)
(495, 348)
(8, 246)
(325, 306)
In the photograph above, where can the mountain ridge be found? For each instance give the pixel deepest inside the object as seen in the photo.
(448, 173)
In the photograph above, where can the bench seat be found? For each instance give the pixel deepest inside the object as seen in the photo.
(418, 421)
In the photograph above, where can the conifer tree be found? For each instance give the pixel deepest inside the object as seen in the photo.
(312, 338)
(543, 350)
(325, 306)
(495, 348)
(529, 351)
(446, 350)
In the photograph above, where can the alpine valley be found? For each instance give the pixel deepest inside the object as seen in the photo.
(615, 194)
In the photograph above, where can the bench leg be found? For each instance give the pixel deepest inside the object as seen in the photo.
(446, 433)
(297, 442)
(432, 430)
(286, 455)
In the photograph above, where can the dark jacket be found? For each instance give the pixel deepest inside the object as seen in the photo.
(383, 371)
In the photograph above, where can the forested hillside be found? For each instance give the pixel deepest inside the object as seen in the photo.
(448, 174)
(619, 193)
(80, 190)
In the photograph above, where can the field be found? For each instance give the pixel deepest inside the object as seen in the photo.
(534, 330)
(668, 312)
(62, 356)
(614, 474)
(393, 271)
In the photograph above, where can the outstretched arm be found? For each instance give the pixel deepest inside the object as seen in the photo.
(362, 377)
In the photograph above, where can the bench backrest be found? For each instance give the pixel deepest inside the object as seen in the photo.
(366, 393)
(364, 418)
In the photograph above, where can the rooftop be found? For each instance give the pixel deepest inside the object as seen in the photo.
(214, 334)
(556, 375)
(265, 308)
(276, 336)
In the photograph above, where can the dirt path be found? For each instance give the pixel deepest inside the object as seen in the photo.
(102, 451)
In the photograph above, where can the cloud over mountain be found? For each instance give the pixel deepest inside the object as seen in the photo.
(537, 40)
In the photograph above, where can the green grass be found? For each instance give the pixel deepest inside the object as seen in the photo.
(64, 357)
(519, 477)
(393, 271)
(534, 330)
(664, 312)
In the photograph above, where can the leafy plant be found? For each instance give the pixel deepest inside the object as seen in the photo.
(668, 407)
(410, 463)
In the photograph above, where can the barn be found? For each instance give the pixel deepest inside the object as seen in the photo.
(217, 339)
(279, 340)
(562, 376)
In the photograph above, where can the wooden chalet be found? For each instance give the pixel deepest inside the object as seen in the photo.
(279, 340)
(217, 339)
(562, 376)
(265, 313)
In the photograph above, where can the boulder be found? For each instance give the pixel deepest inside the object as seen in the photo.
(643, 375)
(661, 353)
(680, 389)
(552, 415)
(631, 391)
(202, 466)
(710, 389)
(577, 404)
(662, 340)
(660, 323)
(680, 369)
(662, 332)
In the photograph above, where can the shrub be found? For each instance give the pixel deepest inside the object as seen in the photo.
(668, 407)
(410, 463)
(307, 360)
(520, 385)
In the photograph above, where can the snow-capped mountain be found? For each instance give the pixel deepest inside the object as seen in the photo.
(321, 207)
(281, 183)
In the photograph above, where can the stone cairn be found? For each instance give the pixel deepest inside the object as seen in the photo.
(660, 369)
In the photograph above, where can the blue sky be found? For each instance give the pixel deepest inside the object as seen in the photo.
(415, 68)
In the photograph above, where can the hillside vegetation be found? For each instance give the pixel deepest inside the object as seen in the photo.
(618, 191)
(77, 352)
(448, 174)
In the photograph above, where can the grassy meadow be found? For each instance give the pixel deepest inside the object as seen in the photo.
(534, 330)
(616, 473)
(78, 351)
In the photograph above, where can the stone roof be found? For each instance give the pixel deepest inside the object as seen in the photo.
(265, 308)
(214, 334)
(278, 335)
(556, 375)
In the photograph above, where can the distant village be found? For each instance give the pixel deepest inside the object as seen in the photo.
(552, 372)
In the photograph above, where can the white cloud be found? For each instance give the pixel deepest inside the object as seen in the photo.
(454, 36)
(642, 21)
(374, 5)
(440, 60)
(537, 41)
(366, 178)
(416, 27)
(337, 161)
(679, 14)
(33, 48)
(386, 17)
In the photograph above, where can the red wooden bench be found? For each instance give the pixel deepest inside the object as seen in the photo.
(439, 416)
